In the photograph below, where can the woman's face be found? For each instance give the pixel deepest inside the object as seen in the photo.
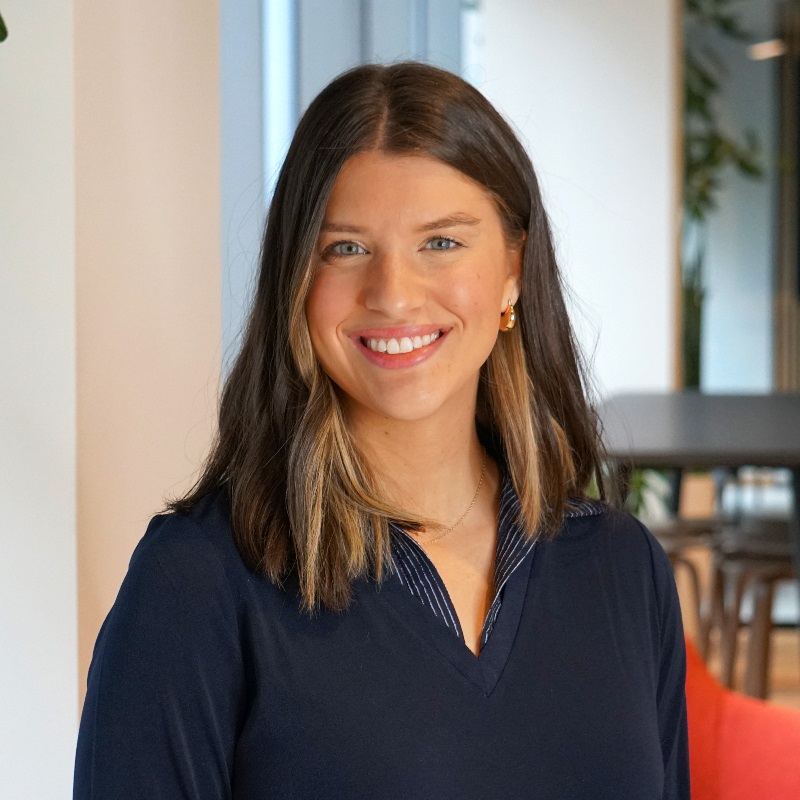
(412, 273)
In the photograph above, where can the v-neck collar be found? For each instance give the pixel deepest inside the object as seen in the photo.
(417, 595)
(420, 577)
(482, 670)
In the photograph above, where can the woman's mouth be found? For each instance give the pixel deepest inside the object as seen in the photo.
(398, 351)
(405, 344)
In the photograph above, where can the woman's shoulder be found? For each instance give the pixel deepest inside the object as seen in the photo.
(192, 551)
(596, 522)
(183, 588)
(623, 539)
(168, 665)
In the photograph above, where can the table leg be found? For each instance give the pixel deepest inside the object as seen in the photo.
(794, 521)
(675, 477)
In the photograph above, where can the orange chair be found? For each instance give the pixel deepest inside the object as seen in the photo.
(739, 748)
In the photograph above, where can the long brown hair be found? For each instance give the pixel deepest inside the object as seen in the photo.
(302, 497)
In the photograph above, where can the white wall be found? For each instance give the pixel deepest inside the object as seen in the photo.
(38, 624)
(147, 221)
(109, 330)
(591, 86)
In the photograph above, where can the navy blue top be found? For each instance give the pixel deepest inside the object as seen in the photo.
(208, 681)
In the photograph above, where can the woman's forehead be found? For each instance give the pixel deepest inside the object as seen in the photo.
(411, 188)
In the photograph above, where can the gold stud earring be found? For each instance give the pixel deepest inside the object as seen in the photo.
(508, 319)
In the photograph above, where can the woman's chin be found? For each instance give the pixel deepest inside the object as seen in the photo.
(408, 409)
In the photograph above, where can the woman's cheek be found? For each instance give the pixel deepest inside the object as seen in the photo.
(475, 301)
(324, 301)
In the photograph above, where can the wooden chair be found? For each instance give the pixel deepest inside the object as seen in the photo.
(756, 554)
(679, 536)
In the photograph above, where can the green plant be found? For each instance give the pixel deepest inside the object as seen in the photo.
(708, 150)
(3, 30)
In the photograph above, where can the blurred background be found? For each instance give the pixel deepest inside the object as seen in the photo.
(139, 145)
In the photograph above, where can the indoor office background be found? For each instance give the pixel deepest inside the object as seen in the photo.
(140, 142)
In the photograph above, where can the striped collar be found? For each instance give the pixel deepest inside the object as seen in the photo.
(418, 574)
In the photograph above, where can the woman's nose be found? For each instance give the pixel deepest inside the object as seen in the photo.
(393, 285)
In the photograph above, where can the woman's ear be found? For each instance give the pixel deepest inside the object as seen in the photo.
(514, 270)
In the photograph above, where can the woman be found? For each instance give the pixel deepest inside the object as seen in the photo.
(389, 581)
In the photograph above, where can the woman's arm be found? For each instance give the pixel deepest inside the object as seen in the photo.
(165, 688)
(671, 696)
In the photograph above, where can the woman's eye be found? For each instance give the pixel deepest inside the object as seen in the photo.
(442, 243)
(346, 249)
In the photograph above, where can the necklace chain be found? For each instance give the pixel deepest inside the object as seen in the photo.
(469, 508)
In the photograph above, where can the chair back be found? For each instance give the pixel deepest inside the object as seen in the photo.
(739, 748)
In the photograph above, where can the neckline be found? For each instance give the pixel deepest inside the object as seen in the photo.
(511, 547)
(483, 670)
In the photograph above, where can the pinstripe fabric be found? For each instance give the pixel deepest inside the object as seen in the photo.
(418, 574)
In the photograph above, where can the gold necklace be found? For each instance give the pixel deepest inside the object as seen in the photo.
(469, 508)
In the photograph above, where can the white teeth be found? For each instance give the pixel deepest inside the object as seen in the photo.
(405, 344)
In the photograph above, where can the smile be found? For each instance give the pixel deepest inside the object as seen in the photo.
(405, 344)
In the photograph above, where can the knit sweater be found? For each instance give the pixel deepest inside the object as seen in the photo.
(209, 682)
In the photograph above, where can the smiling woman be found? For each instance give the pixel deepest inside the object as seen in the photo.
(429, 258)
(390, 580)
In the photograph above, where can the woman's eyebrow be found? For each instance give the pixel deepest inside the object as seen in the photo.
(449, 222)
(444, 222)
(336, 227)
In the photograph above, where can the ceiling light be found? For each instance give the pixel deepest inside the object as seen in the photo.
(769, 49)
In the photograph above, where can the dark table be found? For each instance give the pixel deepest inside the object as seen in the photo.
(685, 430)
